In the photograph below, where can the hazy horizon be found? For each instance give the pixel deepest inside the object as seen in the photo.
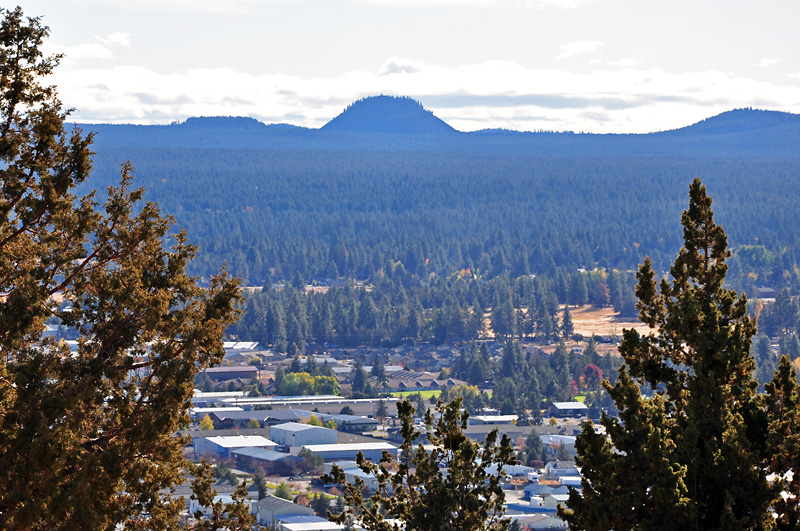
(602, 66)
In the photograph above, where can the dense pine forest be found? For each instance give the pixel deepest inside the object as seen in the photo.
(445, 225)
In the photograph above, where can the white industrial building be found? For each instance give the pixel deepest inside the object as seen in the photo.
(222, 445)
(342, 452)
(200, 412)
(296, 434)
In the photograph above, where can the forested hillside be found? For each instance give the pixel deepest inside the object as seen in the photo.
(279, 202)
(332, 214)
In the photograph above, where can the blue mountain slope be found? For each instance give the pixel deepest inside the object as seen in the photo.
(392, 124)
(741, 121)
(388, 114)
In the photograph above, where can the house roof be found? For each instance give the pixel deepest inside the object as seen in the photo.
(241, 441)
(296, 427)
(567, 440)
(260, 415)
(204, 410)
(316, 448)
(488, 419)
(241, 368)
(538, 488)
(263, 454)
(273, 503)
(348, 419)
(308, 523)
(240, 345)
(569, 405)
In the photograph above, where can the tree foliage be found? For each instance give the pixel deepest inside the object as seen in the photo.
(783, 406)
(302, 383)
(418, 495)
(206, 423)
(88, 436)
(218, 515)
(690, 455)
(283, 491)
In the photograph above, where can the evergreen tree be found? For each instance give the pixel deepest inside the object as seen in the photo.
(578, 290)
(88, 437)
(311, 366)
(233, 516)
(567, 328)
(503, 318)
(783, 407)
(690, 456)
(362, 387)
(766, 360)
(320, 503)
(261, 484)
(379, 372)
(790, 346)
(466, 497)
(382, 411)
(534, 448)
(283, 491)
(275, 327)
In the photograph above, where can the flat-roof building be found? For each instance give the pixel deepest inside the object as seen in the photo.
(295, 434)
(348, 451)
(221, 446)
(225, 420)
(568, 409)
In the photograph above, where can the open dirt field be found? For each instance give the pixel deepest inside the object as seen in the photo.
(589, 321)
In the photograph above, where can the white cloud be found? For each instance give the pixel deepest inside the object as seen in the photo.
(535, 4)
(118, 39)
(624, 62)
(766, 62)
(91, 50)
(177, 6)
(87, 50)
(399, 65)
(577, 48)
(469, 97)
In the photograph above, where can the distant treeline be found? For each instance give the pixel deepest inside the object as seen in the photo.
(270, 215)
(397, 309)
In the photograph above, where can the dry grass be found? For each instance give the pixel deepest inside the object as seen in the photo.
(589, 321)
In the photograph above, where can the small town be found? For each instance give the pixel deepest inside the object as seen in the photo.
(370, 265)
(281, 445)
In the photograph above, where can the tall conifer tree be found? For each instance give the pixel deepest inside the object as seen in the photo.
(88, 436)
(783, 406)
(690, 456)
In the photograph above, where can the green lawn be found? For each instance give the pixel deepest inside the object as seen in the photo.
(425, 394)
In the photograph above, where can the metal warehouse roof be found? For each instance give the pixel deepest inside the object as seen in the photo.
(296, 426)
(350, 446)
(263, 454)
(241, 441)
(570, 405)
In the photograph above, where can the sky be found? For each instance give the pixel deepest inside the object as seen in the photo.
(600, 66)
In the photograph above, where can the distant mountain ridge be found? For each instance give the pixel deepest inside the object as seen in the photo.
(388, 123)
(390, 115)
(736, 121)
(272, 200)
